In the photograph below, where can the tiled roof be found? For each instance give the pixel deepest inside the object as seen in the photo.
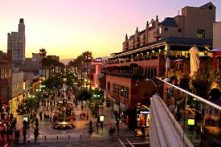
(169, 22)
(207, 4)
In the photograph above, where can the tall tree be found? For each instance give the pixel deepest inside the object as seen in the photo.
(42, 53)
(87, 57)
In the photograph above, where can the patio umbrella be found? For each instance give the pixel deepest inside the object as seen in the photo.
(194, 60)
(167, 64)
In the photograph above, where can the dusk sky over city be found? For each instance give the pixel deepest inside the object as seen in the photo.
(69, 27)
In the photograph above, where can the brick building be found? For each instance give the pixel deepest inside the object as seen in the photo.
(144, 56)
(5, 77)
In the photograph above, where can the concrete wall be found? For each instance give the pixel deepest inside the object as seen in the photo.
(198, 18)
(217, 35)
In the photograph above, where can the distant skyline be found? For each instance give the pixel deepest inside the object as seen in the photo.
(69, 27)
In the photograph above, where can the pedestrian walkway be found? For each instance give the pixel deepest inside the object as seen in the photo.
(80, 132)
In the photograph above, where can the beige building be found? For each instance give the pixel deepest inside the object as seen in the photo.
(17, 90)
(16, 43)
(217, 35)
(184, 25)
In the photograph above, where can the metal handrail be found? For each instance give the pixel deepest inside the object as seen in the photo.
(193, 95)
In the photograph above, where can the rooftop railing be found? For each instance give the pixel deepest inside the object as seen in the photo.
(199, 118)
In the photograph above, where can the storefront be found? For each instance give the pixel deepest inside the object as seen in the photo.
(143, 120)
(15, 102)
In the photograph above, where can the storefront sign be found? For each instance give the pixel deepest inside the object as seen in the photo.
(144, 112)
(191, 122)
(102, 118)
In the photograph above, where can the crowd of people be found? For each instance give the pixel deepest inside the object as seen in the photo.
(7, 126)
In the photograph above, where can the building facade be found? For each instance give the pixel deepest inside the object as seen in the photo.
(217, 46)
(16, 43)
(5, 77)
(17, 90)
(144, 55)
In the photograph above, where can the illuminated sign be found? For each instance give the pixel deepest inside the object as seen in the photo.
(144, 112)
(98, 59)
(191, 122)
(102, 118)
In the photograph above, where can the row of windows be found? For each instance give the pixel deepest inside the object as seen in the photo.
(119, 90)
(5, 73)
(149, 72)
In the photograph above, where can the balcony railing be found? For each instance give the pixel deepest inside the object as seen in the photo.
(124, 75)
(135, 59)
(199, 118)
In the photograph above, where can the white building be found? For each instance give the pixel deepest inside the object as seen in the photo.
(16, 43)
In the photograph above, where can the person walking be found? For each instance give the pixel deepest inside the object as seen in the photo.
(40, 114)
(29, 135)
(36, 123)
(36, 132)
(118, 128)
(24, 135)
(17, 135)
(45, 116)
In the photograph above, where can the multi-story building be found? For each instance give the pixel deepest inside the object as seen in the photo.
(16, 43)
(144, 56)
(5, 77)
(17, 89)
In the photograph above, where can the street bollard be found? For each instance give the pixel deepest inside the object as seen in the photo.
(45, 137)
(69, 136)
(57, 136)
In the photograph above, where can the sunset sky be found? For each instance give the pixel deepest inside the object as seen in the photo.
(69, 27)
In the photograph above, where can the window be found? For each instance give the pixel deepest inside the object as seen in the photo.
(201, 33)
(160, 30)
(108, 85)
(179, 30)
(166, 29)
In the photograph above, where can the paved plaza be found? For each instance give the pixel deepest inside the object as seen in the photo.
(79, 136)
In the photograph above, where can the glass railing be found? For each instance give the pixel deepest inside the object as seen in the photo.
(199, 118)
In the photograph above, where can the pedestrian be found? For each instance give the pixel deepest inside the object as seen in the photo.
(24, 135)
(36, 123)
(40, 116)
(29, 135)
(50, 117)
(51, 109)
(17, 135)
(45, 116)
(36, 132)
(117, 125)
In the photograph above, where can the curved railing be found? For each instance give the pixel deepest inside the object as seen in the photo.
(199, 118)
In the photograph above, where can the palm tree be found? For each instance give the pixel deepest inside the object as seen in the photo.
(87, 57)
(42, 53)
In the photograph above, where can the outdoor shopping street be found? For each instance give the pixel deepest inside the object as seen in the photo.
(80, 132)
